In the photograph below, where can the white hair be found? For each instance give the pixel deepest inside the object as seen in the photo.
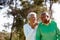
(29, 14)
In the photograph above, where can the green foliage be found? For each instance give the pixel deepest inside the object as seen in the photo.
(4, 36)
(54, 0)
(38, 2)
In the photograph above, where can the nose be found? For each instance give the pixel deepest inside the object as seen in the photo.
(46, 17)
(33, 18)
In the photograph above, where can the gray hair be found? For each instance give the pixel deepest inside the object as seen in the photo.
(29, 14)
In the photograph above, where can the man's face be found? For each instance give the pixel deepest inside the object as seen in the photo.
(45, 18)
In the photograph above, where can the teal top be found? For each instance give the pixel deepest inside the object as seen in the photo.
(47, 32)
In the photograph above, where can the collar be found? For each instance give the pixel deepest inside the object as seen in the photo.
(32, 28)
(48, 23)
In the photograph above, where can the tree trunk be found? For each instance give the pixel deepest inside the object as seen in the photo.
(11, 35)
(12, 28)
(50, 9)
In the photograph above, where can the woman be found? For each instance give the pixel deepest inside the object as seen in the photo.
(31, 26)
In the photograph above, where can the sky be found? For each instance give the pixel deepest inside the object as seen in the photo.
(56, 13)
(5, 19)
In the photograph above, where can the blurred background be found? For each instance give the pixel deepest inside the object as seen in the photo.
(13, 15)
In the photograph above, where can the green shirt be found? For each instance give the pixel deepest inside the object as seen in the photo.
(47, 32)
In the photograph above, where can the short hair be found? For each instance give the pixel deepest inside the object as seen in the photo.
(29, 14)
(45, 13)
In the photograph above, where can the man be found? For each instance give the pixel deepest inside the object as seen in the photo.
(47, 29)
(30, 27)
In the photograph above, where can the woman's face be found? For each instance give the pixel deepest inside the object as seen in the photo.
(33, 19)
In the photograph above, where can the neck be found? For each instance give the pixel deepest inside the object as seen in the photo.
(47, 22)
(32, 26)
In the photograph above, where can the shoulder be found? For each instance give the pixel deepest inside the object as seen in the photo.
(39, 24)
(53, 22)
(25, 25)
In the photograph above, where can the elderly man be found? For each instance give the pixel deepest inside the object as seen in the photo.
(30, 27)
(47, 29)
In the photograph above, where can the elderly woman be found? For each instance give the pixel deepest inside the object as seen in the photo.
(47, 29)
(30, 27)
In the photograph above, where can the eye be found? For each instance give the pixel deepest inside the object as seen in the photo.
(47, 16)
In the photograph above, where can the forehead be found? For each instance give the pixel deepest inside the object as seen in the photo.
(32, 15)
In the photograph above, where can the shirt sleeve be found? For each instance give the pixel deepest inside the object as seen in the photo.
(38, 35)
(58, 31)
(26, 33)
(58, 34)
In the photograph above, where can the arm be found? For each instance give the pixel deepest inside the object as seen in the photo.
(25, 30)
(38, 34)
(58, 34)
(27, 33)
